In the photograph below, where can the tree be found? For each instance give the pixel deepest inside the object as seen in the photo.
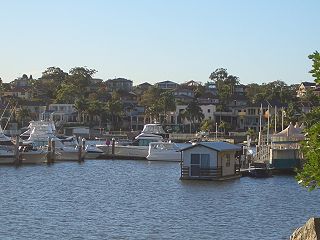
(315, 71)
(95, 109)
(207, 125)
(225, 84)
(81, 104)
(167, 102)
(67, 94)
(115, 110)
(49, 83)
(309, 176)
(23, 115)
(193, 113)
(80, 77)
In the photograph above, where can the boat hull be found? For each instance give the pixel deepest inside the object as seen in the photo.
(92, 155)
(33, 157)
(165, 156)
(68, 156)
(7, 159)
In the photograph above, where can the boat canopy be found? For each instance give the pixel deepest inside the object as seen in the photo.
(153, 128)
(291, 133)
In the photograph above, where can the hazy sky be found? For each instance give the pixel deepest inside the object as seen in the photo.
(156, 40)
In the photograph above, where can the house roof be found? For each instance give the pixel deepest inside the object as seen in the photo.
(217, 146)
(310, 84)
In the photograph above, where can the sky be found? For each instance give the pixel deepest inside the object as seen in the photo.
(157, 40)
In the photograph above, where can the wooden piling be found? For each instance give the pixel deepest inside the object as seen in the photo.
(83, 148)
(49, 151)
(53, 151)
(80, 148)
(16, 152)
(113, 146)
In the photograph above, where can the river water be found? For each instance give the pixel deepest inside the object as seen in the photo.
(121, 199)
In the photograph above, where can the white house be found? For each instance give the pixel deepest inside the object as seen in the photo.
(209, 161)
(63, 112)
(208, 111)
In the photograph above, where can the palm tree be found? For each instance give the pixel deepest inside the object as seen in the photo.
(167, 102)
(115, 109)
(81, 104)
(23, 115)
(95, 110)
(193, 113)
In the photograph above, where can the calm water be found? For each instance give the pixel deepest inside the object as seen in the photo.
(116, 199)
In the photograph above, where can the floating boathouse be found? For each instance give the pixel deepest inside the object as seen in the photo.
(210, 161)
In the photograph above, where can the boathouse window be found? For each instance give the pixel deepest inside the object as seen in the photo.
(200, 159)
(227, 160)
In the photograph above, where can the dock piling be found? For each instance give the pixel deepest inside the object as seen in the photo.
(16, 151)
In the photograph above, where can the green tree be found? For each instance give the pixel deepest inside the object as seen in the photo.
(315, 71)
(225, 84)
(115, 110)
(23, 116)
(193, 113)
(167, 103)
(310, 175)
(67, 94)
(95, 110)
(207, 125)
(49, 83)
(312, 117)
(82, 105)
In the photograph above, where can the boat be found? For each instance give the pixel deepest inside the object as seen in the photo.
(165, 151)
(67, 149)
(139, 147)
(259, 170)
(92, 152)
(7, 149)
(29, 154)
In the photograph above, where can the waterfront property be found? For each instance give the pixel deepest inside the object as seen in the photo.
(210, 161)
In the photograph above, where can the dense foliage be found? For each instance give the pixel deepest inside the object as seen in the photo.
(309, 176)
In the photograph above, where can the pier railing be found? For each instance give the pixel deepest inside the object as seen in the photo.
(201, 172)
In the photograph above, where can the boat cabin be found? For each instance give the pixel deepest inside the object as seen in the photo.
(210, 161)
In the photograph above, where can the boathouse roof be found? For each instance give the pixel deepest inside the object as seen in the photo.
(217, 146)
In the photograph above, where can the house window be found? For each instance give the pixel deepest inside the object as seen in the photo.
(227, 160)
(208, 110)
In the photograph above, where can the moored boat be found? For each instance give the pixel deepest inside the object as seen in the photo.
(165, 151)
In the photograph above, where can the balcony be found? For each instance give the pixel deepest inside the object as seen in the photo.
(201, 173)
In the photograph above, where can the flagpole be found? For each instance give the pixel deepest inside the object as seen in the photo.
(275, 119)
(268, 125)
(259, 140)
(282, 119)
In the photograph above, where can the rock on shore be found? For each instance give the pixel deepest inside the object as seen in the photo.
(309, 231)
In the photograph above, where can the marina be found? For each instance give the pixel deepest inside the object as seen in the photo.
(114, 199)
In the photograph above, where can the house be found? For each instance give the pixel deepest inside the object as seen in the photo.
(184, 92)
(209, 161)
(20, 92)
(167, 85)
(304, 87)
(119, 84)
(63, 112)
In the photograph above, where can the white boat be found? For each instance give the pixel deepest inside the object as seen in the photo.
(28, 154)
(65, 149)
(164, 151)
(92, 152)
(140, 145)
